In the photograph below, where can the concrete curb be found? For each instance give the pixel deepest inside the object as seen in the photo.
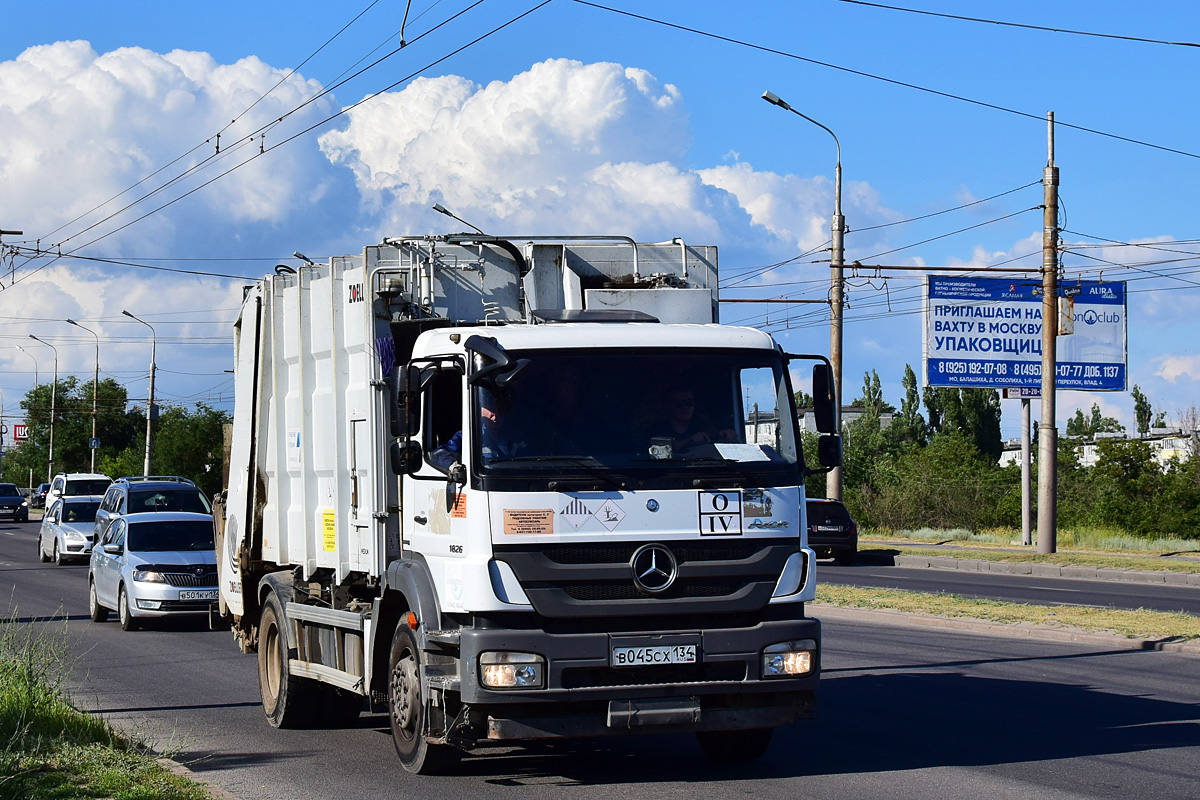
(214, 791)
(1038, 632)
(1159, 577)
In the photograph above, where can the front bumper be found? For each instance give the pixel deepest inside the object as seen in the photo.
(75, 548)
(586, 696)
(148, 599)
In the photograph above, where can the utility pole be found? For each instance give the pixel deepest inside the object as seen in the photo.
(1026, 509)
(1047, 432)
(95, 389)
(837, 229)
(150, 401)
(10, 233)
(53, 395)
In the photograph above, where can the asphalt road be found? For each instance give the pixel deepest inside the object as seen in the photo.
(905, 713)
(1014, 588)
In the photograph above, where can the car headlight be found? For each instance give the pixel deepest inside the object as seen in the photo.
(24, 503)
(74, 535)
(789, 659)
(504, 670)
(148, 576)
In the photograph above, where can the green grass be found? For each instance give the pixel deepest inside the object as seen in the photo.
(1133, 624)
(52, 750)
(1090, 539)
(1093, 548)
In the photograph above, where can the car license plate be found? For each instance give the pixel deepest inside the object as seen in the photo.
(656, 654)
(828, 528)
(198, 594)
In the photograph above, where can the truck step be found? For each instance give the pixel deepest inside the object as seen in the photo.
(442, 640)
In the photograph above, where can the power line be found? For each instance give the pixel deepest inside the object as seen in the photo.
(1021, 25)
(947, 211)
(316, 125)
(892, 81)
(206, 141)
(237, 145)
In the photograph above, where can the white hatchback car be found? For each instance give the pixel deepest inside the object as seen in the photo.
(153, 565)
(66, 532)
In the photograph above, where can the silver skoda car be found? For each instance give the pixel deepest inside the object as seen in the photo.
(153, 565)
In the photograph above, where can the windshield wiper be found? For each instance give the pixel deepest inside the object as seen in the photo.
(574, 485)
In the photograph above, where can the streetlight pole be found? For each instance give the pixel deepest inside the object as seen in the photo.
(150, 400)
(95, 387)
(837, 228)
(35, 364)
(53, 393)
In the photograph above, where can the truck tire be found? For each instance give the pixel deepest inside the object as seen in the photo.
(406, 708)
(734, 747)
(288, 702)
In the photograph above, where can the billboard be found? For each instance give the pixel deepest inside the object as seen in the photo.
(987, 333)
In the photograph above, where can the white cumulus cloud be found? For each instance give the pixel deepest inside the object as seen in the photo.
(80, 127)
(1172, 368)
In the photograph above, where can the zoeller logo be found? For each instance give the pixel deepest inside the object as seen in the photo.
(654, 568)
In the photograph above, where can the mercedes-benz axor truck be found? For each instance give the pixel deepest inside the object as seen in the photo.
(511, 488)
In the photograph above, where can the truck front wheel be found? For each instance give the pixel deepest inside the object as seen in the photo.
(406, 705)
(734, 747)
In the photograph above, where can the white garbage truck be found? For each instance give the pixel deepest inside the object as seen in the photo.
(518, 487)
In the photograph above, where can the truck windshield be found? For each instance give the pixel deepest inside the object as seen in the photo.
(641, 419)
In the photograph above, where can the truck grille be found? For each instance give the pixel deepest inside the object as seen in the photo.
(595, 579)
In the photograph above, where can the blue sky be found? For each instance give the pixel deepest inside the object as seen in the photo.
(582, 120)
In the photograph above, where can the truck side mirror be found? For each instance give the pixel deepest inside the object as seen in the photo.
(829, 451)
(492, 365)
(406, 401)
(405, 456)
(824, 399)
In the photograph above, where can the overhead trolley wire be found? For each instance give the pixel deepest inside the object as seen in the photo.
(892, 81)
(247, 139)
(206, 141)
(314, 126)
(1022, 25)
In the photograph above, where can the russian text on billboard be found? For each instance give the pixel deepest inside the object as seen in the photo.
(987, 332)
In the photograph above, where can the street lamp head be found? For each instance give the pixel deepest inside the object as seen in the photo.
(774, 100)
(126, 313)
(304, 258)
(72, 322)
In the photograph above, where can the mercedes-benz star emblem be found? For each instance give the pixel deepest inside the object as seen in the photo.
(654, 568)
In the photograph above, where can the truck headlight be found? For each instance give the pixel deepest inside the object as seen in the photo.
(504, 670)
(789, 659)
(148, 576)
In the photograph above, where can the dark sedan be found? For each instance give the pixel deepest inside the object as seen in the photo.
(831, 531)
(13, 504)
